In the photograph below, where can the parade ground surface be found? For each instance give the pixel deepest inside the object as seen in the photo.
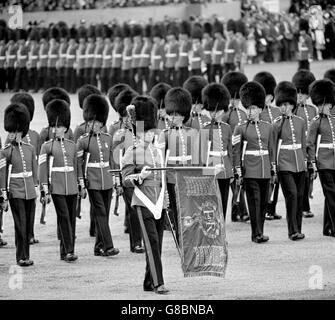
(279, 269)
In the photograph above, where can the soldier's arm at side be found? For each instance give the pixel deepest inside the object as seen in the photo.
(229, 144)
(272, 145)
(303, 139)
(34, 166)
(77, 133)
(80, 158)
(3, 170)
(129, 175)
(311, 141)
(43, 166)
(237, 146)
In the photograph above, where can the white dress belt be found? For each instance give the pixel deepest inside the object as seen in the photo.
(21, 174)
(294, 146)
(98, 164)
(327, 145)
(257, 152)
(62, 169)
(218, 153)
(180, 158)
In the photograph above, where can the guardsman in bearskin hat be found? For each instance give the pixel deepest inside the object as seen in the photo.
(33, 59)
(181, 141)
(53, 56)
(106, 59)
(241, 32)
(320, 148)
(254, 157)
(81, 56)
(70, 71)
(115, 76)
(217, 51)
(235, 116)
(127, 56)
(207, 44)
(21, 74)
(137, 32)
(158, 92)
(157, 57)
(144, 65)
(58, 176)
(216, 137)
(89, 53)
(33, 138)
(330, 74)
(3, 49)
(95, 159)
(232, 48)
(269, 114)
(185, 46)
(18, 178)
(290, 133)
(11, 57)
(97, 62)
(194, 86)
(305, 45)
(49, 95)
(171, 54)
(43, 59)
(148, 186)
(197, 53)
(63, 32)
(302, 80)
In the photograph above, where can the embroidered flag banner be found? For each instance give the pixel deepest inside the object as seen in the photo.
(201, 223)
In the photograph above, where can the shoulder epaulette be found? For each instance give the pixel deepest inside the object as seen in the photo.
(84, 135)
(316, 117)
(277, 119)
(242, 123)
(6, 146)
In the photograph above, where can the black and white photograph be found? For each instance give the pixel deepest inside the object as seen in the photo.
(165, 155)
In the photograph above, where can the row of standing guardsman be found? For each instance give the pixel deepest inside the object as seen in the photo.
(232, 126)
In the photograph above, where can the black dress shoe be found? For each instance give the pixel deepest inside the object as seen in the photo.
(265, 238)
(25, 263)
(269, 216)
(297, 236)
(276, 216)
(2, 243)
(245, 218)
(138, 249)
(235, 218)
(33, 241)
(111, 252)
(70, 257)
(148, 287)
(257, 239)
(161, 290)
(29, 262)
(329, 233)
(307, 214)
(98, 252)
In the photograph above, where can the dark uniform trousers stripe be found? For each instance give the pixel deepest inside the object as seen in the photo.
(65, 207)
(306, 206)
(101, 202)
(224, 191)
(327, 178)
(31, 234)
(152, 231)
(292, 184)
(3, 79)
(182, 75)
(21, 210)
(257, 191)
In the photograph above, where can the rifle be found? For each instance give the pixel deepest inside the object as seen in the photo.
(117, 199)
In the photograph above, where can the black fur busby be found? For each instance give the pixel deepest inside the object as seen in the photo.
(17, 118)
(322, 92)
(267, 80)
(241, 27)
(3, 34)
(185, 28)
(126, 31)
(252, 94)
(137, 30)
(91, 31)
(157, 31)
(302, 80)
(54, 33)
(172, 29)
(86, 90)
(147, 31)
(44, 34)
(73, 33)
(22, 34)
(208, 28)
(197, 32)
(26, 99)
(82, 32)
(96, 108)
(106, 32)
(303, 25)
(231, 25)
(286, 92)
(158, 92)
(117, 31)
(330, 74)
(215, 97)
(99, 29)
(218, 27)
(33, 34)
(114, 91)
(234, 80)
(58, 113)
(123, 100)
(55, 93)
(178, 100)
(194, 85)
(145, 111)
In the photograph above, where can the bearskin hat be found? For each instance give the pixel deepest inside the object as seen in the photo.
(26, 99)
(241, 27)
(302, 79)
(252, 93)
(197, 32)
(73, 33)
(233, 81)
(137, 30)
(267, 80)
(231, 25)
(54, 33)
(330, 74)
(322, 92)
(21, 34)
(58, 113)
(178, 100)
(3, 34)
(157, 31)
(86, 90)
(123, 100)
(117, 30)
(194, 85)
(44, 33)
(172, 29)
(17, 118)
(286, 92)
(147, 31)
(55, 93)
(96, 108)
(215, 97)
(126, 31)
(158, 92)
(91, 31)
(114, 91)
(208, 28)
(218, 27)
(82, 32)
(107, 32)
(303, 25)
(185, 28)
(99, 29)
(33, 34)
(145, 110)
